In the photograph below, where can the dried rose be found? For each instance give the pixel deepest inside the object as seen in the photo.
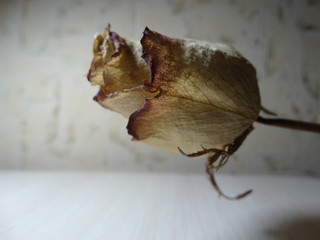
(181, 95)
(199, 95)
(187, 95)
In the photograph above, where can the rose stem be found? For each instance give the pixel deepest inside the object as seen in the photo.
(292, 124)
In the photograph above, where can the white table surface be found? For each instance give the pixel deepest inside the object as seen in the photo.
(84, 205)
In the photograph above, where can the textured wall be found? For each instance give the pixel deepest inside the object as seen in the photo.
(49, 121)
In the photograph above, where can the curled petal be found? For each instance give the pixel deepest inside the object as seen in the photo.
(117, 64)
(125, 101)
(95, 75)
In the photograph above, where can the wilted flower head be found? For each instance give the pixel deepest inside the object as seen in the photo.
(179, 95)
(176, 93)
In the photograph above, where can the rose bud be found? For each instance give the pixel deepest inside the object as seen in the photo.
(181, 95)
(200, 95)
(186, 96)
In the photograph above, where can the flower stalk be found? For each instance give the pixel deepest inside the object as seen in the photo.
(290, 124)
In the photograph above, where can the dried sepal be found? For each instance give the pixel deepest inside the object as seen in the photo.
(217, 158)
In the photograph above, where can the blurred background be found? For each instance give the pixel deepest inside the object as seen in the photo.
(50, 122)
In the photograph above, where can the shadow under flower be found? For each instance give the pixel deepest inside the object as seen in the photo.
(304, 228)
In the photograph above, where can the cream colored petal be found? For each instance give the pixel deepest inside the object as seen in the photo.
(170, 122)
(124, 102)
(97, 42)
(209, 95)
(125, 69)
(206, 72)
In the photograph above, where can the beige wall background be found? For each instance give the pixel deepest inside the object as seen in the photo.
(49, 121)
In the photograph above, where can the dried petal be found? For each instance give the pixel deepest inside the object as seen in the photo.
(124, 102)
(117, 63)
(120, 71)
(209, 95)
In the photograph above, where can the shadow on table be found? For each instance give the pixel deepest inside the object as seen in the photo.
(297, 229)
